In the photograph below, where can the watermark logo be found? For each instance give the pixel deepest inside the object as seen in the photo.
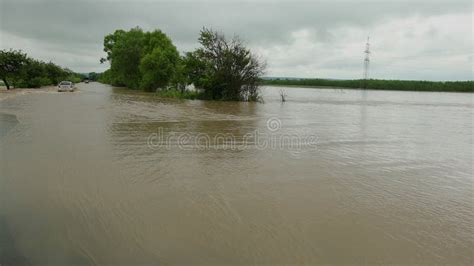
(273, 124)
(257, 139)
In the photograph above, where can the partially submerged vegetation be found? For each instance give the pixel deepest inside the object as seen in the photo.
(186, 94)
(283, 96)
(139, 60)
(20, 71)
(220, 69)
(378, 84)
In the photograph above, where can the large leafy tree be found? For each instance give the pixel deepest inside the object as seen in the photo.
(11, 64)
(140, 59)
(224, 69)
(159, 62)
(157, 68)
(124, 51)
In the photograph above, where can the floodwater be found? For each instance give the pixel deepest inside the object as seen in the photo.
(107, 176)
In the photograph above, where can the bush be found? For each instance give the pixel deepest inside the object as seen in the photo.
(74, 79)
(224, 69)
(37, 82)
(175, 93)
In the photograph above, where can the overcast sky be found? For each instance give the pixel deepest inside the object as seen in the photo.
(428, 39)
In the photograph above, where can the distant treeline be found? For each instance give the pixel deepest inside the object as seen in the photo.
(20, 71)
(377, 84)
(93, 76)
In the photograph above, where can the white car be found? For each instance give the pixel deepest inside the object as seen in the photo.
(66, 86)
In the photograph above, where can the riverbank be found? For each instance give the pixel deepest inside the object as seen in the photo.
(5, 94)
(377, 84)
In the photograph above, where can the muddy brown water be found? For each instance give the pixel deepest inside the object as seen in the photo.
(107, 176)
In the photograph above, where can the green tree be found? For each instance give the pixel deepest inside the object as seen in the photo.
(224, 69)
(11, 64)
(124, 56)
(158, 68)
(54, 72)
(140, 59)
(22, 71)
(195, 70)
(33, 75)
(93, 76)
(159, 62)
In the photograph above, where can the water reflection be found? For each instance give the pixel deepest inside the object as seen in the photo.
(9, 254)
(8, 122)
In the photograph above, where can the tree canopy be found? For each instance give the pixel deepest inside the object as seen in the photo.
(11, 63)
(224, 69)
(221, 69)
(19, 70)
(138, 59)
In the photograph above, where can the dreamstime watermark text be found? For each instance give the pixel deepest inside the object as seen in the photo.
(270, 138)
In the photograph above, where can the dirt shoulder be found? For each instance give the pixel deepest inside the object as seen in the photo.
(6, 94)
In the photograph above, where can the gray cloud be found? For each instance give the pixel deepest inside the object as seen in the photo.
(71, 32)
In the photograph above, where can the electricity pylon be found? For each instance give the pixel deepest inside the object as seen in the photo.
(367, 59)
